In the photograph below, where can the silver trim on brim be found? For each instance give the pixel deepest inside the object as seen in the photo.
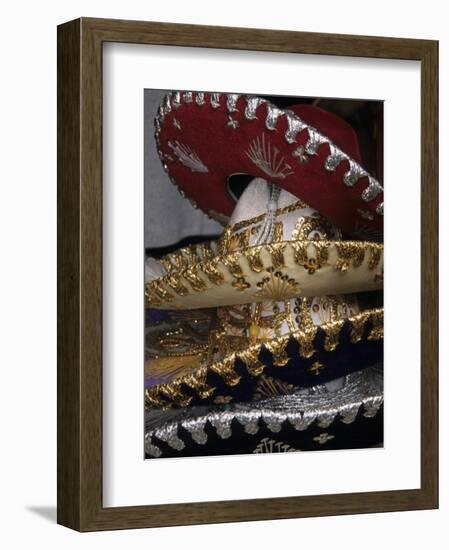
(295, 125)
(363, 391)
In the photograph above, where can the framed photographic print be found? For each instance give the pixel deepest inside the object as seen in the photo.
(247, 290)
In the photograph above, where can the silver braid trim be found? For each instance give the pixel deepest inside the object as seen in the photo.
(362, 394)
(295, 125)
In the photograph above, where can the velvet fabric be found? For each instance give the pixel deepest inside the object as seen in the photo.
(221, 142)
(348, 357)
(362, 433)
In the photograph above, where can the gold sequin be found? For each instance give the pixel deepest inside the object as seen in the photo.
(312, 255)
(163, 396)
(160, 292)
(194, 280)
(347, 254)
(250, 357)
(277, 348)
(198, 382)
(277, 254)
(214, 276)
(277, 286)
(316, 368)
(332, 335)
(240, 283)
(173, 280)
(227, 371)
(231, 261)
(254, 260)
(174, 393)
(305, 340)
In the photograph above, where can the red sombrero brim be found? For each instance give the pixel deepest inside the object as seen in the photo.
(203, 138)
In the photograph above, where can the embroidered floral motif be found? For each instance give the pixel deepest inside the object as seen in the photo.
(268, 445)
(187, 157)
(268, 158)
(277, 286)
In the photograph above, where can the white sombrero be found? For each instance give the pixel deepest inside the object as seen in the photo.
(274, 248)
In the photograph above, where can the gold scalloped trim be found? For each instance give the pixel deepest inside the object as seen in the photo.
(157, 396)
(311, 255)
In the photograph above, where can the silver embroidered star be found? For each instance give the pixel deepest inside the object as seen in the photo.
(323, 438)
(365, 214)
(232, 123)
(300, 154)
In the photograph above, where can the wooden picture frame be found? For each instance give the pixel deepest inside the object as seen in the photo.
(80, 504)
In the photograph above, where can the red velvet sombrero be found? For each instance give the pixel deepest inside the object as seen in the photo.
(204, 138)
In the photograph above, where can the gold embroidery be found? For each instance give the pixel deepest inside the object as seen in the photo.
(227, 371)
(302, 257)
(254, 260)
(194, 280)
(198, 382)
(173, 280)
(329, 308)
(214, 276)
(240, 283)
(278, 233)
(305, 319)
(277, 286)
(277, 348)
(320, 227)
(375, 252)
(160, 292)
(178, 260)
(277, 254)
(155, 401)
(231, 242)
(157, 395)
(250, 357)
(316, 368)
(174, 393)
(232, 263)
(305, 340)
(205, 251)
(151, 299)
(312, 255)
(332, 335)
(348, 254)
(164, 369)
(167, 264)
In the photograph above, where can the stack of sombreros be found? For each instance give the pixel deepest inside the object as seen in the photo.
(271, 337)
